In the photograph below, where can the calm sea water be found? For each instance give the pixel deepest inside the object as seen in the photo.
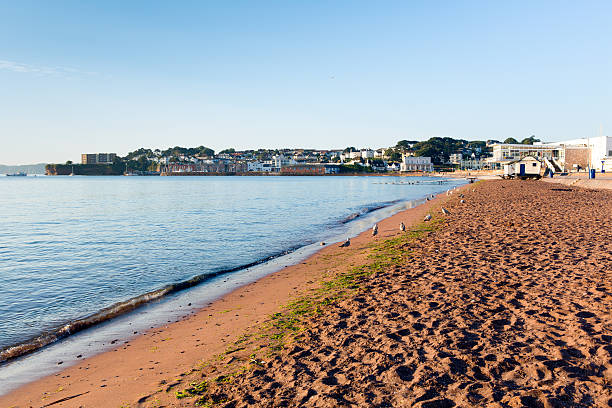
(71, 246)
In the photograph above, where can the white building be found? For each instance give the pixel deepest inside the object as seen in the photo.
(565, 155)
(505, 152)
(601, 150)
(393, 167)
(259, 166)
(455, 158)
(367, 154)
(412, 163)
(472, 164)
(281, 161)
(526, 167)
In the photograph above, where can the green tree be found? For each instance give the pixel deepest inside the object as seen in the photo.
(404, 145)
(530, 140)
(69, 162)
(511, 140)
(228, 151)
(395, 156)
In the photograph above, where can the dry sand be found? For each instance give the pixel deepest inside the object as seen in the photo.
(507, 303)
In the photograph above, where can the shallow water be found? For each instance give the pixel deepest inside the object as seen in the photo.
(72, 246)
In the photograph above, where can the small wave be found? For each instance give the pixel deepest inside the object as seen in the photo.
(366, 210)
(120, 308)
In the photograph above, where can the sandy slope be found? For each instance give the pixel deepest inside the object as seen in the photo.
(509, 305)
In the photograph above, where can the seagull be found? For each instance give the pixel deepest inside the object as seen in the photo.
(445, 211)
(375, 230)
(461, 195)
(462, 201)
(346, 243)
(427, 217)
(427, 198)
(402, 226)
(322, 243)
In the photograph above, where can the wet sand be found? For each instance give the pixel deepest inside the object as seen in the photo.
(506, 303)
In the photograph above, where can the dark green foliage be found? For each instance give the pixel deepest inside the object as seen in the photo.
(438, 148)
(355, 168)
(188, 151)
(530, 140)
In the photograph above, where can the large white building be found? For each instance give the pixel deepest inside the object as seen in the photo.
(415, 163)
(568, 155)
(600, 150)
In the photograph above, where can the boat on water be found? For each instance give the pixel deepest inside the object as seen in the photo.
(20, 174)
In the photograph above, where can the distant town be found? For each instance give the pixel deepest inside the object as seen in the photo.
(435, 154)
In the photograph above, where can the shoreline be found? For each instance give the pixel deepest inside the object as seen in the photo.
(46, 387)
(272, 262)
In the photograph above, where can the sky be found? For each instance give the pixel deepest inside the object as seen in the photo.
(112, 76)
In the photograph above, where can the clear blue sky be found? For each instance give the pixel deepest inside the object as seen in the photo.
(90, 76)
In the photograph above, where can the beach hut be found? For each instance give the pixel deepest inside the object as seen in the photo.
(524, 168)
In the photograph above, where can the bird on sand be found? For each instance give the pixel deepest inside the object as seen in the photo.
(375, 230)
(427, 218)
(402, 226)
(445, 211)
(346, 243)
(462, 201)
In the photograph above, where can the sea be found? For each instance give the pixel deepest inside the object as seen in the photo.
(89, 260)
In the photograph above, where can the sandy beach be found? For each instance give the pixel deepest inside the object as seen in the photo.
(503, 302)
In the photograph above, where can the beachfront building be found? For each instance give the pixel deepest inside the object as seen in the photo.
(596, 151)
(416, 163)
(525, 167)
(570, 155)
(506, 152)
(98, 158)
